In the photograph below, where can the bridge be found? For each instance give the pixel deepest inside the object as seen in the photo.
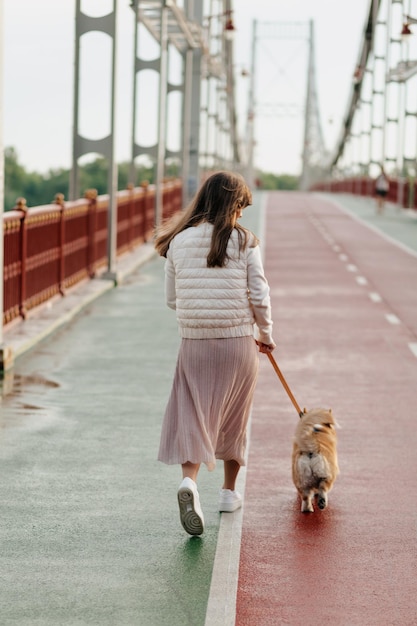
(90, 529)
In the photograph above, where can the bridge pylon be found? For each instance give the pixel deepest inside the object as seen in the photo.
(314, 156)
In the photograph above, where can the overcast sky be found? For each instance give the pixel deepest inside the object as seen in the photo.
(38, 76)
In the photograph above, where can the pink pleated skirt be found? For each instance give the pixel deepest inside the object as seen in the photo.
(210, 402)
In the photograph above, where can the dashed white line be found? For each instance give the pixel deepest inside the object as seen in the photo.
(393, 319)
(361, 280)
(351, 268)
(375, 297)
(413, 348)
(343, 257)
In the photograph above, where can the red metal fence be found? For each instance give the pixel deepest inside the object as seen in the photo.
(405, 195)
(48, 249)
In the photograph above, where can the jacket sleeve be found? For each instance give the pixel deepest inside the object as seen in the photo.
(170, 292)
(259, 296)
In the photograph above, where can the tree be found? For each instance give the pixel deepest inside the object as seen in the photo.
(271, 181)
(41, 188)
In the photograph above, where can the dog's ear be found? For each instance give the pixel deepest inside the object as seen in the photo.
(330, 411)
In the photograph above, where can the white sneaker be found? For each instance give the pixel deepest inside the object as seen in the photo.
(229, 500)
(191, 514)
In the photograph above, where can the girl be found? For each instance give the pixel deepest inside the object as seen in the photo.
(215, 281)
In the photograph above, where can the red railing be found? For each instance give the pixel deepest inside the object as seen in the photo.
(48, 249)
(405, 196)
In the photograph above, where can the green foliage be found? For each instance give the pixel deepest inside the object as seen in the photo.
(41, 189)
(271, 181)
(18, 182)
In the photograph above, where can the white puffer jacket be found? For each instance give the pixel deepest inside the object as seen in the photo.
(216, 302)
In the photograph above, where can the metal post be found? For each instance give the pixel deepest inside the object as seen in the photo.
(305, 178)
(186, 111)
(402, 122)
(163, 71)
(6, 355)
(234, 156)
(113, 171)
(218, 122)
(132, 173)
(400, 143)
(251, 111)
(1, 174)
(194, 152)
(74, 178)
(106, 145)
(387, 89)
(208, 159)
(186, 138)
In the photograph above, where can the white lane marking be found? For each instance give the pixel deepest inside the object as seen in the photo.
(393, 319)
(413, 348)
(351, 268)
(336, 248)
(375, 297)
(221, 605)
(343, 257)
(361, 280)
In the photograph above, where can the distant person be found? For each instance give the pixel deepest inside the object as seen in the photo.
(381, 190)
(215, 281)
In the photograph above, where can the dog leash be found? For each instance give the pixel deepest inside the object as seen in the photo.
(285, 385)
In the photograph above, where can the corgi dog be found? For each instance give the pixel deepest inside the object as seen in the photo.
(314, 458)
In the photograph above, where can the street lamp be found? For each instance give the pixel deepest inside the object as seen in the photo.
(229, 27)
(404, 69)
(406, 30)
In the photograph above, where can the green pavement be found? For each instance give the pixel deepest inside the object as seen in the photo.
(90, 530)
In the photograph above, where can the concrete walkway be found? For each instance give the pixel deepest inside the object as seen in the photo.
(90, 531)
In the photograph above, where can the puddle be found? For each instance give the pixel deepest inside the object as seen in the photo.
(30, 407)
(25, 404)
(14, 384)
(32, 379)
(136, 279)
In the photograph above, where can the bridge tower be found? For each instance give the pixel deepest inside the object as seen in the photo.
(206, 56)
(81, 145)
(314, 157)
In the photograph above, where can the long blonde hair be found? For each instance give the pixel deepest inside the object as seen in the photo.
(220, 197)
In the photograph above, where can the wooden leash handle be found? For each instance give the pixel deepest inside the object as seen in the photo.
(284, 383)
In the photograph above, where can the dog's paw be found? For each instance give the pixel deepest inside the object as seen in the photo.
(307, 507)
(322, 502)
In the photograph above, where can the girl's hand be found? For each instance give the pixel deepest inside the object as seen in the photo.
(265, 347)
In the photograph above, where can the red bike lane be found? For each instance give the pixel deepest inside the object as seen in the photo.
(345, 310)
